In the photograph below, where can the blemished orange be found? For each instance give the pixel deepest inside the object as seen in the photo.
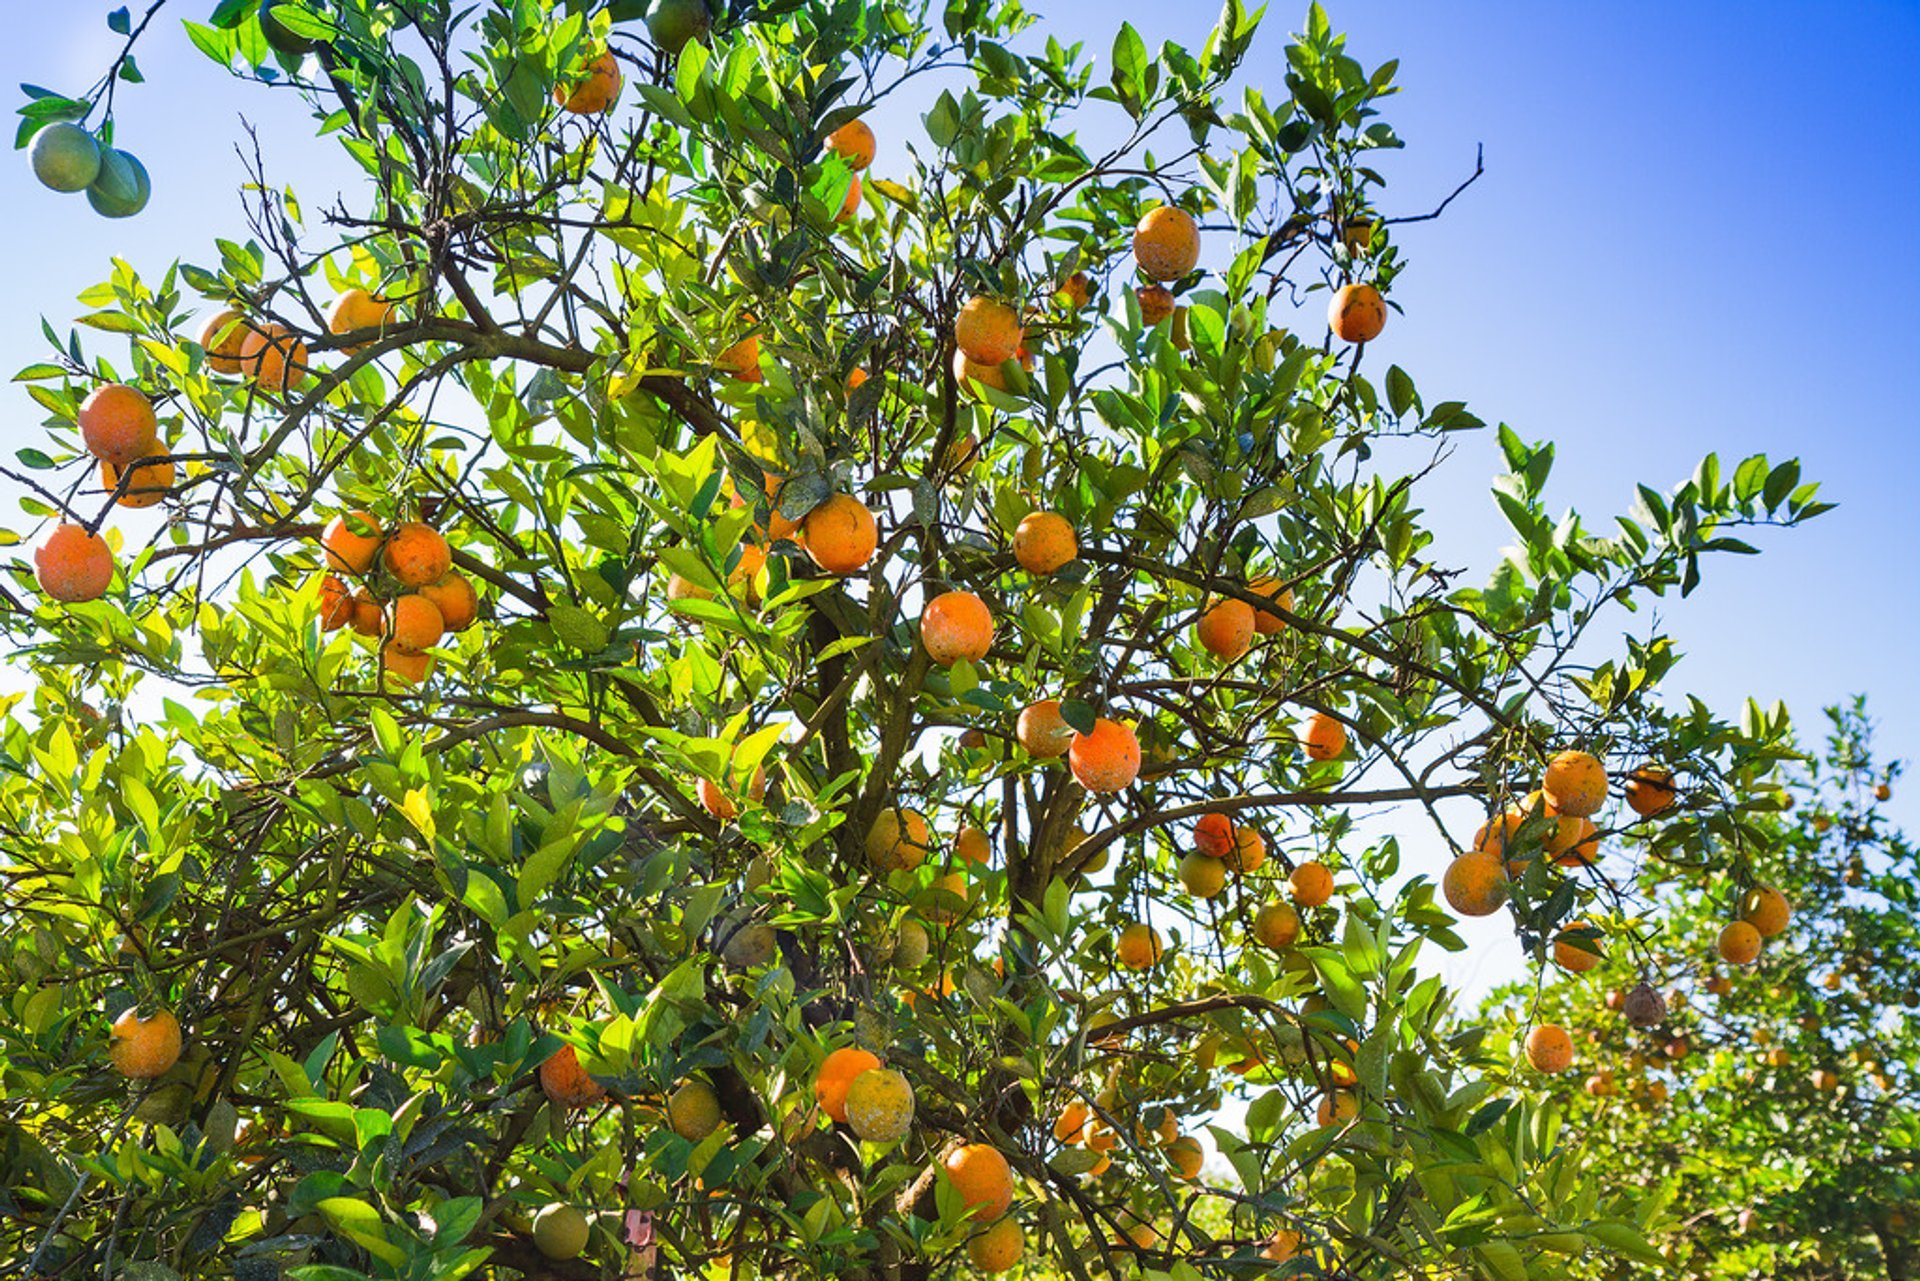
(416, 554)
(1138, 947)
(987, 331)
(593, 95)
(1156, 304)
(336, 604)
(1276, 926)
(1576, 952)
(1166, 243)
(274, 357)
(1311, 884)
(1476, 883)
(1076, 291)
(1213, 835)
(840, 535)
(1650, 790)
(1042, 731)
(898, 839)
(117, 425)
(1105, 760)
(417, 625)
(879, 1105)
(835, 1078)
(142, 1049)
(454, 596)
(1249, 850)
(147, 485)
(352, 541)
(1739, 943)
(956, 625)
(1044, 542)
(1356, 313)
(982, 1177)
(1325, 737)
(72, 565)
(1575, 842)
(357, 310)
(406, 668)
(1766, 909)
(1549, 1048)
(1575, 783)
(997, 1247)
(854, 143)
(566, 1082)
(1265, 621)
(221, 337)
(972, 846)
(1225, 630)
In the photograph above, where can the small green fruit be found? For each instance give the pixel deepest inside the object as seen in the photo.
(560, 1231)
(671, 23)
(121, 188)
(65, 157)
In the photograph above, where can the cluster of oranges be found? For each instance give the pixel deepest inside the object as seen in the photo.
(414, 599)
(119, 428)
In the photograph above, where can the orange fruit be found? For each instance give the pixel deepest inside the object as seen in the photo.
(960, 454)
(117, 424)
(593, 95)
(416, 554)
(983, 1179)
(1166, 243)
(1357, 313)
(336, 604)
(1138, 947)
(1226, 629)
(972, 846)
(142, 1049)
(1824, 1081)
(351, 542)
(1202, 876)
(742, 360)
(1766, 909)
(368, 618)
(836, 1076)
(1043, 542)
(1311, 884)
(72, 565)
(1575, 784)
(1156, 304)
(1042, 731)
(854, 143)
(1476, 883)
(1249, 850)
(851, 204)
(987, 331)
(274, 357)
(1497, 833)
(720, 805)
(1650, 790)
(1076, 291)
(693, 1111)
(1325, 737)
(453, 595)
(1549, 1048)
(956, 625)
(1071, 1125)
(998, 1247)
(994, 376)
(1276, 926)
(417, 625)
(1265, 621)
(355, 310)
(879, 1105)
(147, 486)
(1575, 842)
(899, 838)
(220, 338)
(1576, 953)
(840, 535)
(1107, 759)
(1337, 1108)
(566, 1082)
(1283, 1245)
(1186, 1156)
(408, 669)
(1213, 835)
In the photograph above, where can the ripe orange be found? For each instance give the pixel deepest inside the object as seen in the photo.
(1139, 946)
(1650, 790)
(1476, 883)
(1156, 304)
(417, 625)
(851, 204)
(274, 357)
(1213, 835)
(1203, 877)
(351, 542)
(836, 1076)
(456, 600)
(972, 846)
(854, 143)
(1076, 291)
(956, 625)
(1226, 629)
(1107, 759)
(987, 331)
(1337, 1108)
(355, 310)
(1357, 313)
(1766, 909)
(1166, 243)
(336, 604)
(983, 1179)
(368, 618)
(1265, 621)
(416, 554)
(593, 95)
(899, 838)
(1549, 1048)
(72, 565)
(1276, 926)
(566, 1082)
(1576, 953)
(408, 669)
(1249, 850)
(147, 486)
(1325, 737)
(1575, 784)
(1311, 884)
(720, 805)
(997, 1247)
(1283, 1245)
(742, 360)
(1071, 1125)
(1824, 1081)
(1497, 833)
(1186, 1156)
(840, 534)
(220, 338)
(1042, 731)
(994, 376)
(1575, 842)
(1043, 542)
(142, 1049)
(117, 424)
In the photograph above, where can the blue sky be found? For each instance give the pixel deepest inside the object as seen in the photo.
(1697, 231)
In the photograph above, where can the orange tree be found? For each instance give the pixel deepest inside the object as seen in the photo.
(697, 700)
(1773, 1109)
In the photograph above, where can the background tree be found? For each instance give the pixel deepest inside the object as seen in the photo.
(700, 707)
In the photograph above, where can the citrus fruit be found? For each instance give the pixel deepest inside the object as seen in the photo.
(954, 626)
(65, 157)
(836, 1076)
(1044, 542)
(879, 1105)
(121, 188)
(1166, 243)
(1105, 760)
(560, 1231)
(72, 565)
(142, 1049)
(1356, 313)
(117, 425)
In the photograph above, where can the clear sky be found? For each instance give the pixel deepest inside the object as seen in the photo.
(1697, 231)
